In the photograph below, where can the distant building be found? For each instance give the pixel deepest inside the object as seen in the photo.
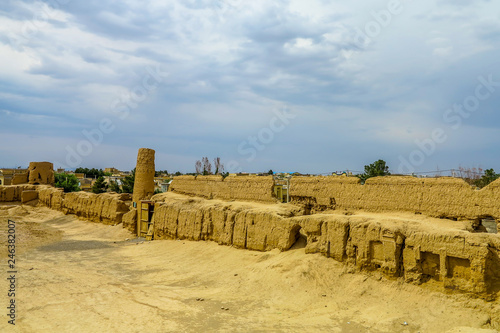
(86, 184)
(111, 170)
(6, 175)
(114, 178)
(164, 186)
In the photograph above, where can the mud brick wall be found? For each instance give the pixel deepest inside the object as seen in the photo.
(248, 188)
(11, 193)
(440, 197)
(413, 251)
(107, 208)
(242, 225)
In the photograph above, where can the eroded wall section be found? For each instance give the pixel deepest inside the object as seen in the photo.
(248, 188)
(107, 208)
(251, 226)
(417, 250)
(12, 193)
(439, 197)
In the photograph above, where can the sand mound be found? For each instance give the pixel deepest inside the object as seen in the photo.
(18, 211)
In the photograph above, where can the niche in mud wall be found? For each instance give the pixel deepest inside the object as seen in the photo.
(492, 270)
(377, 256)
(386, 254)
(458, 268)
(298, 238)
(430, 266)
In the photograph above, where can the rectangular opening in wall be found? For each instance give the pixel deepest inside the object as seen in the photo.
(377, 251)
(458, 268)
(430, 264)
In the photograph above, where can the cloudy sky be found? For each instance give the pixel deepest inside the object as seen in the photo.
(312, 86)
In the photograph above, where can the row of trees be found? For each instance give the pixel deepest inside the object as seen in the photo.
(476, 177)
(204, 167)
(92, 173)
(127, 185)
(69, 183)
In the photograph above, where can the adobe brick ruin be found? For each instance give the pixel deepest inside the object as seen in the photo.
(144, 186)
(430, 236)
(418, 230)
(41, 173)
(38, 173)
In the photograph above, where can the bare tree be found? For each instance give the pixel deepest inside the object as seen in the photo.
(470, 175)
(219, 167)
(197, 165)
(207, 166)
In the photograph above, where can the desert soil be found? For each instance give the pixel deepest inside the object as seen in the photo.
(79, 276)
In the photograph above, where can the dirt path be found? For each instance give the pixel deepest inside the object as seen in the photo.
(84, 277)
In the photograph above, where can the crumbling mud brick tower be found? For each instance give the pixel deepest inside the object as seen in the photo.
(41, 173)
(144, 185)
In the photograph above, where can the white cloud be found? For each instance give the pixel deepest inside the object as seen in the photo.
(443, 51)
(232, 62)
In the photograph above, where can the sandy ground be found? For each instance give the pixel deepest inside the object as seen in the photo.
(78, 276)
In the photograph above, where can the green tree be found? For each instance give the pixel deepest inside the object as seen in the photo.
(270, 172)
(91, 173)
(128, 183)
(114, 187)
(99, 186)
(488, 177)
(67, 182)
(161, 173)
(376, 169)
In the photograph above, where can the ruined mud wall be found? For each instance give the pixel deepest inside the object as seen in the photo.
(11, 193)
(107, 208)
(20, 178)
(256, 227)
(248, 188)
(457, 259)
(415, 251)
(144, 185)
(41, 173)
(440, 197)
(38, 173)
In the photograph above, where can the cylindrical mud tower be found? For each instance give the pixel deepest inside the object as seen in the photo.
(144, 184)
(41, 173)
